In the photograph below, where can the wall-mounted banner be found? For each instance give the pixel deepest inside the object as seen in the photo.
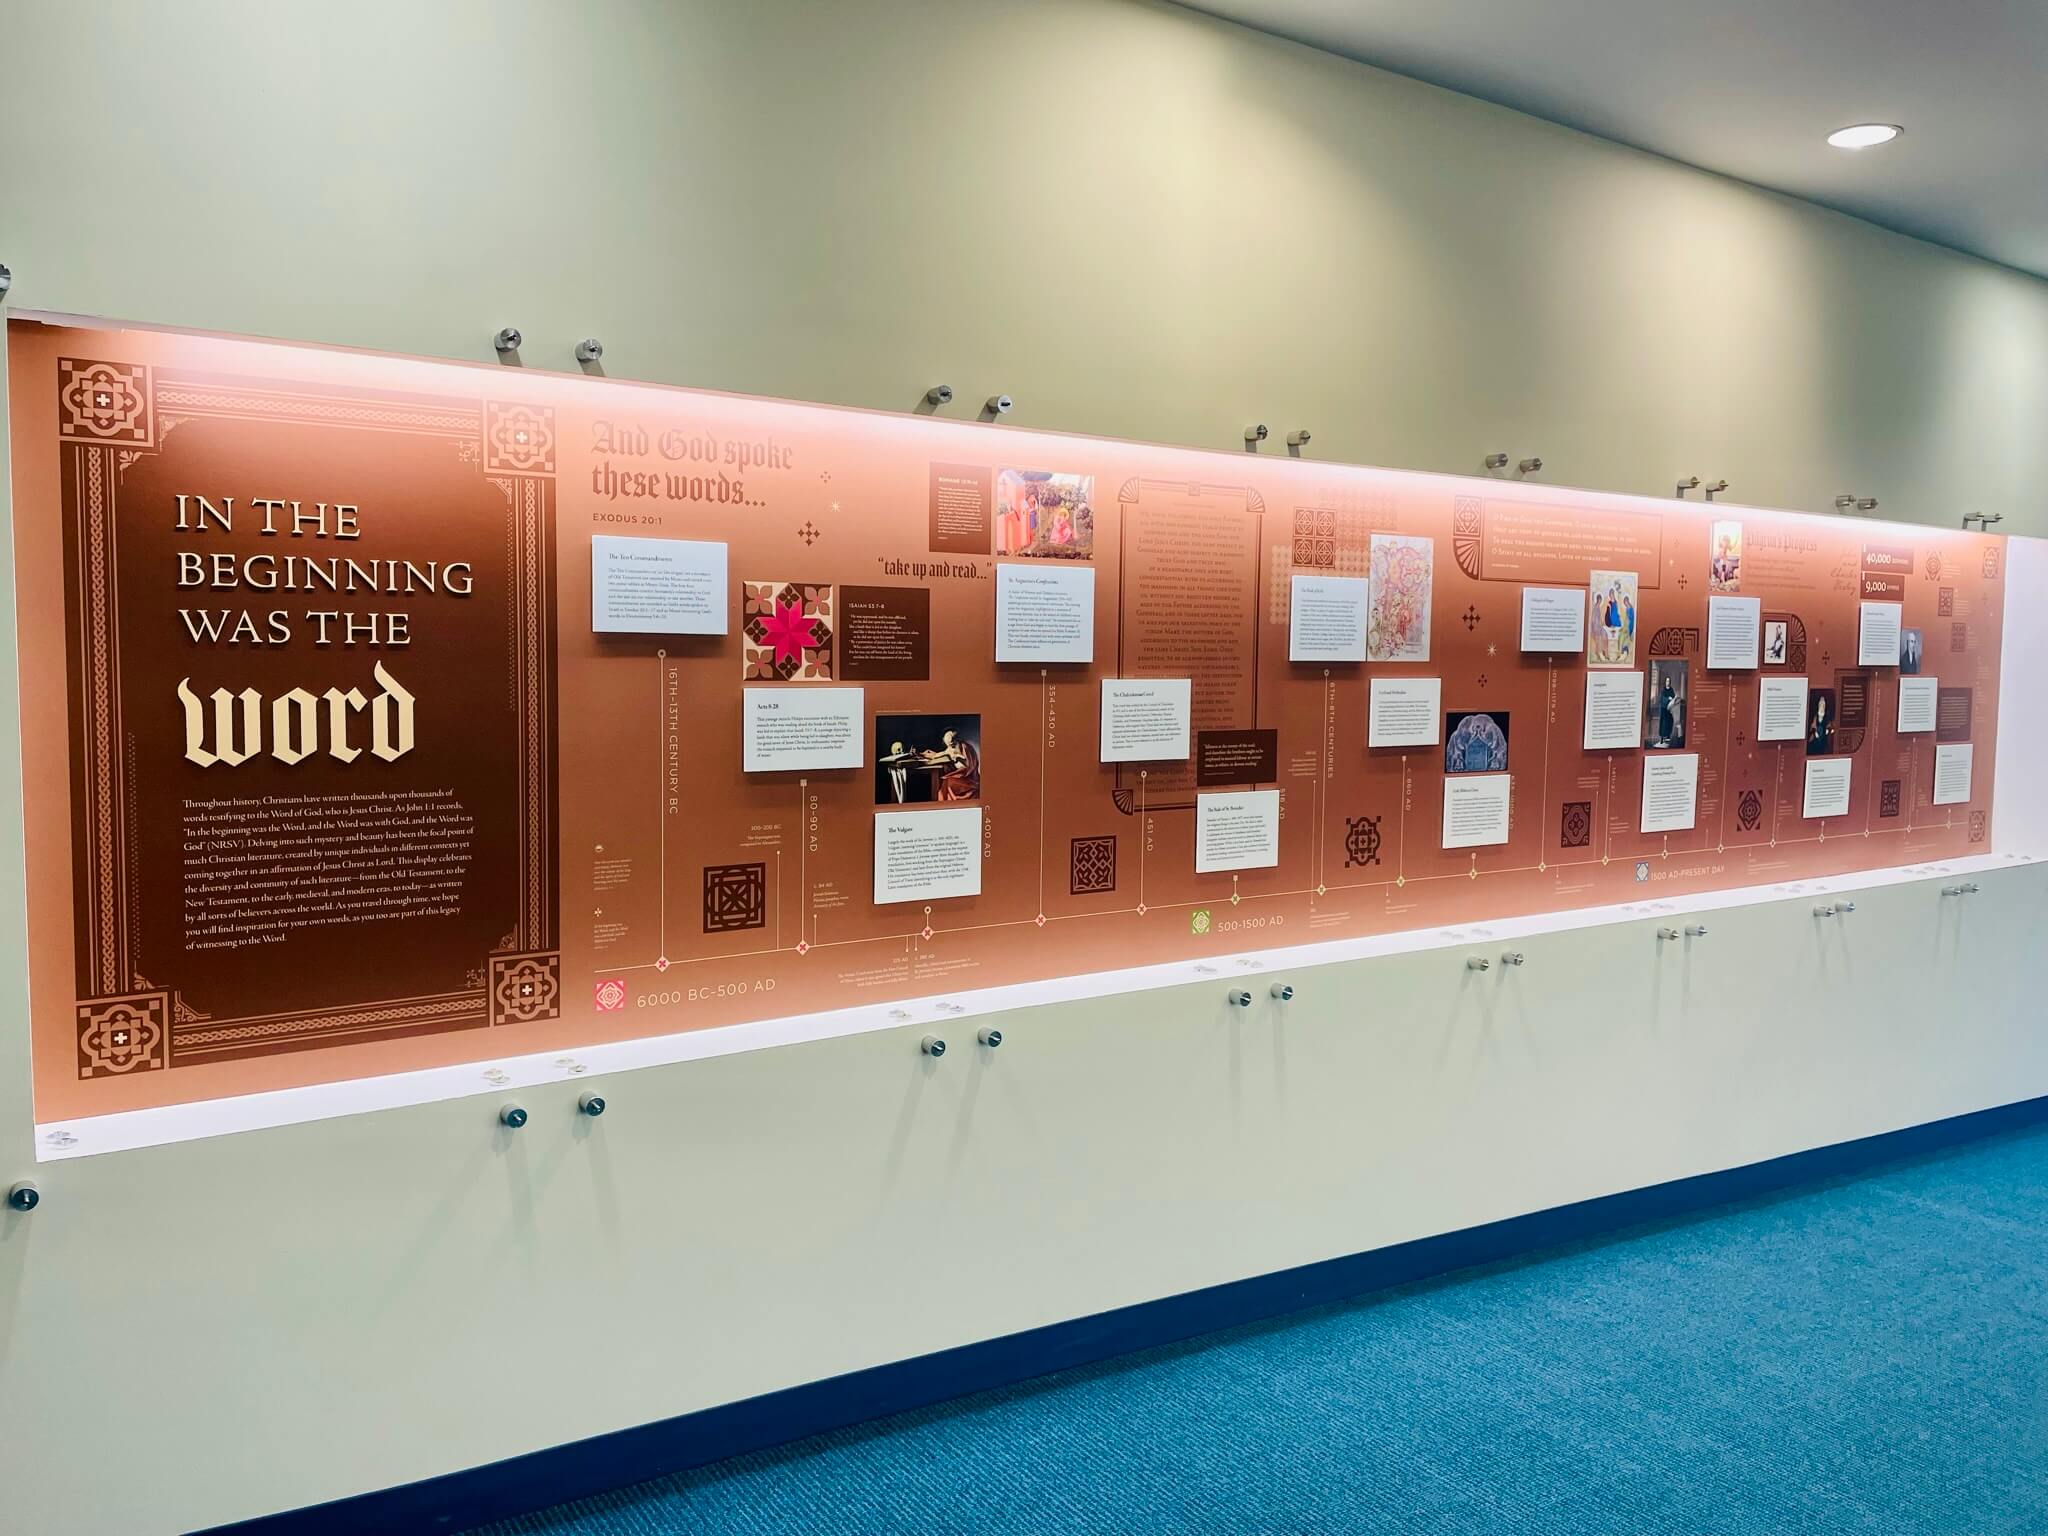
(338, 762)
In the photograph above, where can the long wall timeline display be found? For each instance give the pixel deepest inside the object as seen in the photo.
(383, 714)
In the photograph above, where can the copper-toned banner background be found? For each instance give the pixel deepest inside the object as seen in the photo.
(606, 868)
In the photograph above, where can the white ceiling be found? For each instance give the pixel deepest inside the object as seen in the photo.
(1751, 89)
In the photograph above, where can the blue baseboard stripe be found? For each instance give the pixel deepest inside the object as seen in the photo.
(462, 1500)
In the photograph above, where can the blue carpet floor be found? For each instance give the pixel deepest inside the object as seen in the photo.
(1869, 1355)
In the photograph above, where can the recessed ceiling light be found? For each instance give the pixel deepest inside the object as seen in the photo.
(1864, 135)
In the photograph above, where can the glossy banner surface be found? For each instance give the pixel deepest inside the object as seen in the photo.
(336, 766)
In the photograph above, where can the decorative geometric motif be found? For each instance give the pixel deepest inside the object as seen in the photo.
(526, 987)
(102, 402)
(735, 896)
(1469, 618)
(1198, 921)
(1315, 538)
(810, 533)
(1642, 871)
(1945, 603)
(1749, 810)
(1933, 566)
(1959, 637)
(117, 1035)
(1361, 841)
(609, 996)
(519, 439)
(1466, 531)
(1991, 562)
(788, 632)
(1091, 866)
(1575, 825)
(1888, 798)
(1977, 826)
(1675, 641)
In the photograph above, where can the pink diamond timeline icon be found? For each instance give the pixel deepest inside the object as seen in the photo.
(1040, 919)
(926, 932)
(803, 946)
(661, 964)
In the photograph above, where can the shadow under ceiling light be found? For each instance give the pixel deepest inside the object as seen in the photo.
(1864, 135)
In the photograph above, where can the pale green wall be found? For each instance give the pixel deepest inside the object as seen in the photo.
(823, 200)
(1138, 221)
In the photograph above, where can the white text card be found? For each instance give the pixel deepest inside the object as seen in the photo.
(1326, 619)
(1952, 765)
(1614, 710)
(927, 855)
(1735, 627)
(787, 728)
(1405, 711)
(1146, 720)
(1237, 830)
(1917, 696)
(1877, 636)
(1781, 709)
(1553, 619)
(656, 586)
(1827, 787)
(1476, 810)
(1045, 613)
(1671, 791)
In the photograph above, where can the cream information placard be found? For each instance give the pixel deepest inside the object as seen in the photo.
(1877, 634)
(1146, 720)
(1553, 619)
(1326, 618)
(1917, 698)
(1671, 791)
(1045, 613)
(927, 855)
(782, 729)
(1781, 709)
(1405, 712)
(1952, 769)
(1614, 710)
(1476, 809)
(656, 586)
(1827, 787)
(1735, 627)
(1237, 830)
